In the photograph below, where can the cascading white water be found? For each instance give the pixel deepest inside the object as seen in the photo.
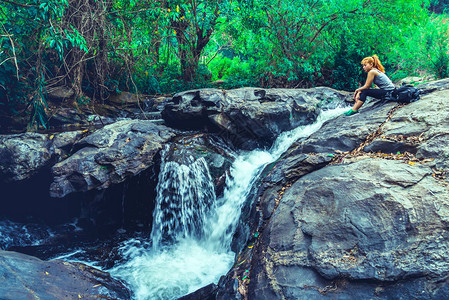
(185, 195)
(195, 259)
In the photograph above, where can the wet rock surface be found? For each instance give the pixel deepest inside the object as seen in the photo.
(433, 86)
(60, 93)
(27, 277)
(377, 226)
(214, 150)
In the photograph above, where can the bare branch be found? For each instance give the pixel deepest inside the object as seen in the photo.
(216, 53)
(14, 57)
(9, 58)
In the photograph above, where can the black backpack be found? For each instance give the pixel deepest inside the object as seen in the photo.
(404, 94)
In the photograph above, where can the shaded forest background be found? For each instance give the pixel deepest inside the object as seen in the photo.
(98, 48)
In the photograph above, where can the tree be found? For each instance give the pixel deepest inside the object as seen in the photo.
(193, 24)
(296, 42)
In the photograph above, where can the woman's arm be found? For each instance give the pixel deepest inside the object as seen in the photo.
(368, 83)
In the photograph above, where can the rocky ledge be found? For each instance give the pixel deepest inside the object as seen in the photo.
(109, 156)
(27, 277)
(83, 160)
(248, 117)
(358, 210)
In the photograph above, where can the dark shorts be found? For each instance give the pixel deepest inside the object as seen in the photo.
(375, 93)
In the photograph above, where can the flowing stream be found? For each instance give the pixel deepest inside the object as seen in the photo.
(192, 231)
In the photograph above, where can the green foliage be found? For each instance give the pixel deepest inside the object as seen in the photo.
(241, 73)
(421, 52)
(344, 70)
(437, 39)
(82, 100)
(159, 47)
(220, 67)
(302, 44)
(441, 61)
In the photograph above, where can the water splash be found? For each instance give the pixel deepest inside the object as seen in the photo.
(173, 271)
(32, 233)
(243, 173)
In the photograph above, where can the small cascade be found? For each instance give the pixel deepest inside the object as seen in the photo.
(192, 231)
(243, 172)
(185, 196)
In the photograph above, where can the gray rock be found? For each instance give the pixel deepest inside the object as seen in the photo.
(109, 156)
(27, 277)
(415, 80)
(23, 155)
(434, 86)
(368, 220)
(424, 124)
(65, 140)
(304, 156)
(248, 116)
(60, 93)
(125, 98)
(70, 119)
(345, 133)
(185, 150)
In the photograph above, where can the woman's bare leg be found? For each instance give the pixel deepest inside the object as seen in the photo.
(357, 105)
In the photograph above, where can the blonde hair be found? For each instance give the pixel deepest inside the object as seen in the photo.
(374, 60)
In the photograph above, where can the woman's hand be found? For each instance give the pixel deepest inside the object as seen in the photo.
(367, 85)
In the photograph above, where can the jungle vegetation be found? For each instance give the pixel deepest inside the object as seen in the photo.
(102, 47)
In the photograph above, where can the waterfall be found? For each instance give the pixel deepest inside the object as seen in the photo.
(192, 231)
(185, 195)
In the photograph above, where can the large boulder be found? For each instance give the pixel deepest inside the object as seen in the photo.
(421, 128)
(60, 93)
(27, 277)
(339, 135)
(23, 155)
(368, 220)
(247, 116)
(433, 86)
(69, 119)
(109, 156)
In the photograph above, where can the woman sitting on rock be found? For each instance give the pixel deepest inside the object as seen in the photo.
(376, 74)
